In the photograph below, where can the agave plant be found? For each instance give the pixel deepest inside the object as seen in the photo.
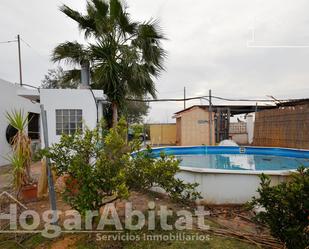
(21, 146)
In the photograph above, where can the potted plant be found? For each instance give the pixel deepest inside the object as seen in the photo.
(25, 187)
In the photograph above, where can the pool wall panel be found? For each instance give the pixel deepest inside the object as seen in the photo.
(226, 188)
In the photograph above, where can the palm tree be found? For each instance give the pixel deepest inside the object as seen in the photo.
(124, 56)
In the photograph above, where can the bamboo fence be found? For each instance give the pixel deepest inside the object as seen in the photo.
(283, 127)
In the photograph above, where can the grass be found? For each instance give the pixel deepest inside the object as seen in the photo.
(214, 243)
(90, 242)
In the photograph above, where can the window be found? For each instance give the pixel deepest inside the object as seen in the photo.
(68, 121)
(10, 133)
(33, 125)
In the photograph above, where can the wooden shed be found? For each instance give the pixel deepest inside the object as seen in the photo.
(195, 127)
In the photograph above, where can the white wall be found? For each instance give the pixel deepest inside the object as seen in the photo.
(53, 99)
(227, 188)
(9, 100)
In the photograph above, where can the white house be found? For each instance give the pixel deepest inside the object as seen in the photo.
(66, 110)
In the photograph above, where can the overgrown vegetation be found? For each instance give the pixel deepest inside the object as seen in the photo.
(287, 208)
(59, 78)
(159, 172)
(99, 167)
(134, 111)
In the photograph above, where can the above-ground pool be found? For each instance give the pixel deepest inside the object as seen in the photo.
(230, 174)
(238, 158)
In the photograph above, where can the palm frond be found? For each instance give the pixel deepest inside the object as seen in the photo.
(71, 75)
(148, 39)
(125, 56)
(139, 81)
(115, 9)
(85, 23)
(70, 52)
(151, 30)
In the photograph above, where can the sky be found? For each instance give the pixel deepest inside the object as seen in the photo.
(239, 49)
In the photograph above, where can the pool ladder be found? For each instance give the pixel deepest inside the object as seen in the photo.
(242, 150)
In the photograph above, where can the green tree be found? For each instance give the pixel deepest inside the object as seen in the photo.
(92, 183)
(135, 111)
(58, 78)
(124, 56)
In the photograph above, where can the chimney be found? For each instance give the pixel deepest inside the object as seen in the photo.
(85, 75)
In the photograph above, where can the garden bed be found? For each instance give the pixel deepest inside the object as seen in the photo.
(230, 227)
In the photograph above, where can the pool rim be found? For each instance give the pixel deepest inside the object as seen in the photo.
(236, 172)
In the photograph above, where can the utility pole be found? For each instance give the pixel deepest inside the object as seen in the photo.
(19, 60)
(210, 118)
(184, 98)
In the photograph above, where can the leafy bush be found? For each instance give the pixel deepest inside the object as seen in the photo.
(99, 167)
(159, 172)
(287, 208)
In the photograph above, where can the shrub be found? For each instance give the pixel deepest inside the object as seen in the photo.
(100, 167)
(287, 208)
(21, 147)
(159, 172)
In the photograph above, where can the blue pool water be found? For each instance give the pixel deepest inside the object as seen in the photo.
(242, 162)
(238, 158)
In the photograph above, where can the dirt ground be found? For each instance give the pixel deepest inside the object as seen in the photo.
(225, 221)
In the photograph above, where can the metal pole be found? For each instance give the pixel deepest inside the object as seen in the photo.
(184, 98)
(144, 134)
(19, 60)
(52, 195)
(210, 118)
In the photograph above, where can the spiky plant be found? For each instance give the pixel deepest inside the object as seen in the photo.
(21, 146)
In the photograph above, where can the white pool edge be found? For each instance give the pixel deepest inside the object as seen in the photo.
(238, 172)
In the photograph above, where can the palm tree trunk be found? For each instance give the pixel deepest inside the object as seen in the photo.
(115, 113)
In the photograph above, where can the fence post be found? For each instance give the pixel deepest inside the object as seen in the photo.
(51, 190)
(210, 118)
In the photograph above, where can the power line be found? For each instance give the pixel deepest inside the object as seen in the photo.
(163, 100)
(19, 56)
(25, 42)
(28, 45)
(204, 97)
(8, 41)
(246, 100)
